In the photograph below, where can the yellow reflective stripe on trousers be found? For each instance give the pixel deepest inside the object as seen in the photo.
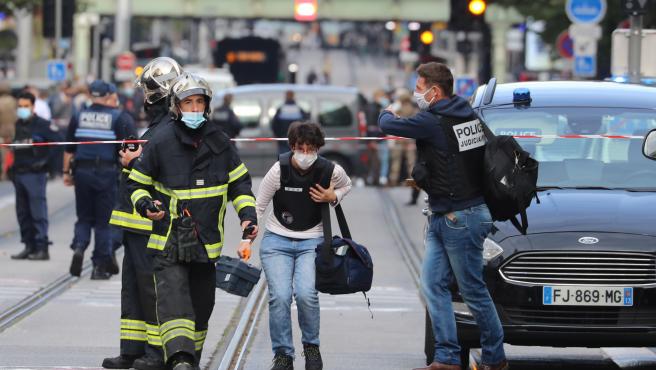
(175, 333)
(133, 335)
(130, 220)
(243, 201)
(133, 324)
(238, 172)
(154, 338)
(140, 177)
(138, 194)
(176, 323)
(200, 339)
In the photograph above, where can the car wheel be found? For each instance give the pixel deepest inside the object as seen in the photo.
(340, 160)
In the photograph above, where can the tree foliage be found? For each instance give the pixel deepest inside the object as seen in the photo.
(10, 6)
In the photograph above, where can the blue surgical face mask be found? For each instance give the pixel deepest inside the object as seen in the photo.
(384, 102)
(193, 120)
(23, 113)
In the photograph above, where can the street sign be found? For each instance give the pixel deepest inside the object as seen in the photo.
(565, 45)
(126, 61)
(56, 70)
(620, 51)
(585, 11)
(635, 7)
(585, 65)
(465, 86)
(585, 31)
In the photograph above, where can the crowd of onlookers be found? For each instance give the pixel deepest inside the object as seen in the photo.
(57, 104)
(390, 161)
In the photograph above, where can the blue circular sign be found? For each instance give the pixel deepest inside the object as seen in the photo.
(585, 11)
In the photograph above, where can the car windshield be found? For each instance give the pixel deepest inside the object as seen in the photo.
(583, 162)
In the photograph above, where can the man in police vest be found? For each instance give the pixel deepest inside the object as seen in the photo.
(94, 177)
(183, 181)
(286, 114)
(140, 341)
(451, 145)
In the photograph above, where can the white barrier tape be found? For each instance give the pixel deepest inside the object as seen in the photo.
(344, 138)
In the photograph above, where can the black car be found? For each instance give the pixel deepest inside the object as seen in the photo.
(584, 275)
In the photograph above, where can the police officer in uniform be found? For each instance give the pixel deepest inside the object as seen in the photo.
(96, 170)
(140, 341)
(451, 146)
(183, 181)
(30, 170)
(226, 118)
(287, 114)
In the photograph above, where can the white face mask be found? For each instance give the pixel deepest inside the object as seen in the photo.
(303, 160)
(421, 100)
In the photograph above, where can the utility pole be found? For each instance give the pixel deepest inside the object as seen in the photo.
(24, 52)
(635, 46)
(58, 28)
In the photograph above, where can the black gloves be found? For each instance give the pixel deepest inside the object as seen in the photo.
(146, 204)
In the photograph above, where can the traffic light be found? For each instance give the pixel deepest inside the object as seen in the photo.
(477, 7)
(421, 39)
(426, 37)
(48, 12)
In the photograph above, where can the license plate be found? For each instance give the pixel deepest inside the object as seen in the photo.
(556, 295)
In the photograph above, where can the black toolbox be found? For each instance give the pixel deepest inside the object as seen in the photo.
(236, 276)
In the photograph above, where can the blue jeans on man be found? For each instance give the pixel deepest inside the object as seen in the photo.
(454, 249)
(289, 268)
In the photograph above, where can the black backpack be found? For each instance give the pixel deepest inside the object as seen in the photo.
(510, 179)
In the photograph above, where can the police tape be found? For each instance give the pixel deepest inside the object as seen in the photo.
(344, 138)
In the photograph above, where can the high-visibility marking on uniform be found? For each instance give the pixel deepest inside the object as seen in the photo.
(200, 339)
(95, 134)
(176, 333)
(157, 242)
(243, 201)
(130, 220)
(138, 194)
(133, 324)
(134, 335)
(214, 250)
(176, 323)
(140, 177)
(125, 171)
(200, 193)
(238, 172)
(154, 339)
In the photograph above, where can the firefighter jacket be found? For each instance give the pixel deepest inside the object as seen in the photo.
(124, 215)
(197, 170)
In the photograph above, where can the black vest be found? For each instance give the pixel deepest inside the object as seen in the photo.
(455, 173)
(292, 204)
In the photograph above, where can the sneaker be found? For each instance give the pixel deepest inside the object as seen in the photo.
(76, 262)
(282, 362)
(119, 362)
(312, 357)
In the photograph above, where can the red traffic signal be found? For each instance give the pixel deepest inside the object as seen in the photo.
(305, 10)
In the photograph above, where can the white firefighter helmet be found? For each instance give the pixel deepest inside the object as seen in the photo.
(186, 85)
(156, 78)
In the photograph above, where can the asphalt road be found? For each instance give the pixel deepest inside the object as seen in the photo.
(80, 327)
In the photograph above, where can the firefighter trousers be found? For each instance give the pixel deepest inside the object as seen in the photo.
(139, 330)
(185, 300)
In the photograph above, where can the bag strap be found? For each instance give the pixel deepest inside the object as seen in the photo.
(523, 227)
(325, 251)
(341, 220)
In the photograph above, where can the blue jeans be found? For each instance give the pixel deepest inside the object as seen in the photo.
(289, 268)
(454, 248)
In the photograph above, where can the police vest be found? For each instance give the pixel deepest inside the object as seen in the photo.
(457, 172)
(292, 204)
(95, 124)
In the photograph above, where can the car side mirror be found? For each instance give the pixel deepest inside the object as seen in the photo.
(649, 145)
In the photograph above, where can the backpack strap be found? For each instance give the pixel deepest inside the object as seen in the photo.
(523, 227)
